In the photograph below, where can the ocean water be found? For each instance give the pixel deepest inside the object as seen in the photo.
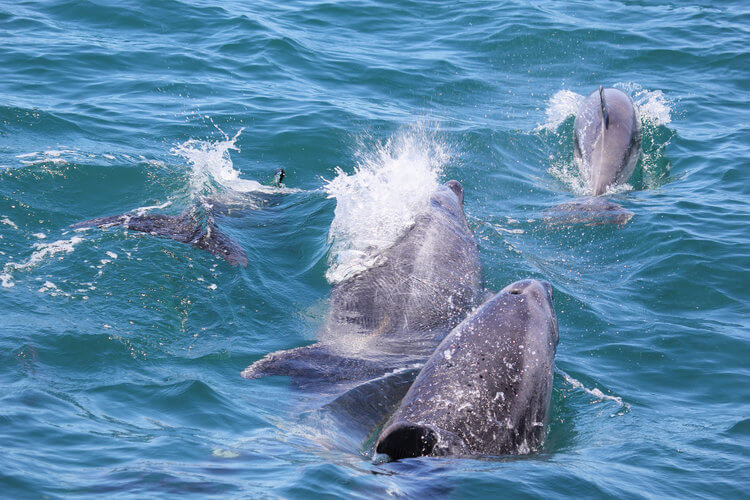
(121, 353)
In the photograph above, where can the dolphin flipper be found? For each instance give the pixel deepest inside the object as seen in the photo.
(315, 363)
(185, 228)
(364, 407)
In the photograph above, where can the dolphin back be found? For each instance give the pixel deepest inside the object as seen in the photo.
(607, 143)
(426, 280)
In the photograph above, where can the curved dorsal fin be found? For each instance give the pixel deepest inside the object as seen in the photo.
(605, 113)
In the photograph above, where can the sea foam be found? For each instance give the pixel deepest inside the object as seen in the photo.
(42, 251)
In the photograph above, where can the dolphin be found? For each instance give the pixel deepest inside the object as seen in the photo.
(486, 389)
(607, 143)
(392, 315)
(606, 147)
(195, 226)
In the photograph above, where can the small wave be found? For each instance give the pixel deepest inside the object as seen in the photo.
(56, 156)
(392, 182)
(593, 392)
(43, 251)
(143, 210)
(68, 156)
(5, 220)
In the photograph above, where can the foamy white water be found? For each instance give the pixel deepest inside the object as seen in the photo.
(390, 184)
(593, 392)
(42, 252)
(653, 105)
(563, 104)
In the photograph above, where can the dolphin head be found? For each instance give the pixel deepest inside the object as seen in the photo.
(452, 408)
(449, 197)
(540, 295)
(540, 290)
(607, 141)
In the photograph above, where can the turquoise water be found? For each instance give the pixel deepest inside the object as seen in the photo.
(121, 353)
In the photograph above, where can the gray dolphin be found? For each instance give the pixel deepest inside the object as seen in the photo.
(607, 141)
(606, 146)
(486, 389)
(394, 314)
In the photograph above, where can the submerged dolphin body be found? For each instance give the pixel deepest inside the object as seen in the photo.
(392, 315)
(195, 226)
(606, 146)
(486, 389)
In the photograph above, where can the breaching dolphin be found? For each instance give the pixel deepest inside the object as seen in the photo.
(195, 226)
(486, 389)
(392, 315)
(606, 147)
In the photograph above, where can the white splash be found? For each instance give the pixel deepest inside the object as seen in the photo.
(563, 104)
(43, 251)
(211, 164)
(653, 105)
(392, 182)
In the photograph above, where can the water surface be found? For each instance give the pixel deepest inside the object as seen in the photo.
(121, 353)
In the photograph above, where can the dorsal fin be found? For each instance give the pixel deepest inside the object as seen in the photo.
(605, 113)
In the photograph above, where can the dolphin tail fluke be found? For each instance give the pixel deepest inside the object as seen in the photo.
(592, 211)
(185, 228)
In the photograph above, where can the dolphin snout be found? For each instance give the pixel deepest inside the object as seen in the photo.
(407, 440)
(457, 188)
(529, 286)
